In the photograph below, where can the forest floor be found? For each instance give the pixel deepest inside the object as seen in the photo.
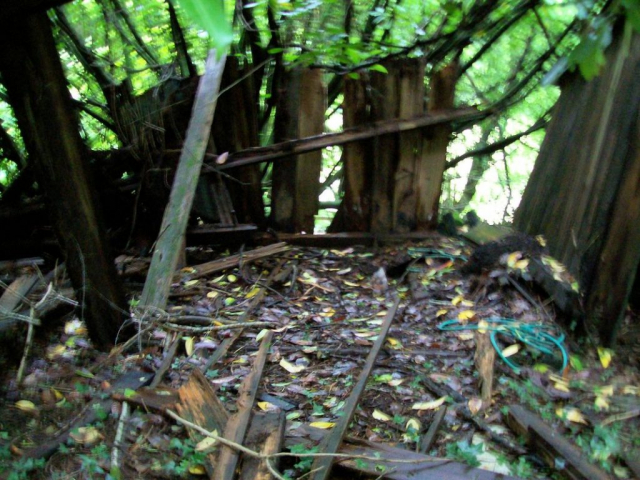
(324, 307)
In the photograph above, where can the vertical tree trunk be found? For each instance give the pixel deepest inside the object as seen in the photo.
(32, 74)
(300, 113)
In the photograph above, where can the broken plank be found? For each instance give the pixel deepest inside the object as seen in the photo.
(130, 381)
(408, 465)
(554, 449)
(16, 293)
(238, 424)
(265, 435)
(166, 363)
(174, 223)
(207, 268)
(200, 405)
(22, 262)
(309, 144)
(430, 437)
(156, 399)
(322, 465)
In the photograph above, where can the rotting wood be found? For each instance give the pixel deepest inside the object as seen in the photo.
(485, 357)
(265, 435)
(15, 293)
(238, 424)
(554, 449)
(413, 465)
(22, 262)
(166, 254)
(430, 437)
(222, 349)
(166, 363)
(200, 405)
(347, 239)
(157, 399)
(322, 465)
(309, 144)
(204, 269)
(131, 380)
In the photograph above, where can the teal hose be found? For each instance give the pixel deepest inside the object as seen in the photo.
(534, 335)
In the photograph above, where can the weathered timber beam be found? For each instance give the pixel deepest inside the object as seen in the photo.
(309, 144)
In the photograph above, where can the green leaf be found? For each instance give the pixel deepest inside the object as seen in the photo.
(210, 16)
(378, 68)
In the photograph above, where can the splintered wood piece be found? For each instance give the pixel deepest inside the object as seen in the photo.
(430, 436)
(485, 358)
(552, 447)
(322, 465)
(412, 465)
(15, 293)
(131, 380)
(174, 223)
(238, 424)
(157, 399)
(265, 435)
(200, 405)
(207, 268)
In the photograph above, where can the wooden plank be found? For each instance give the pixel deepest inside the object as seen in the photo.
(204, 269)
(322, 465)
(294, 147)
(238, 424)
(347, 239)
(411, 465)
(166, 362)
(430, 437)
(157, 399)
(552, 447)
(167, 252)
(266, 436)
(200, 405)
(22, 262)
(14, 294)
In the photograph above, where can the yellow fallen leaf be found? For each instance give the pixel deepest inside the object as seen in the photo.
(541, 240)
(513, 258)
(191, 283)
(413, 424)
(253, 292)
(322, 425)
(511, 350)
(465, 315)
(188, 345)
(75, 327)
(630, 390)
(267, 407)
(602, 402)
(482, 326)
(55, 351)
(562, 386)
(456, 300)
(432, 405)
(467, 303)
(474, 404)
(197, 469)
(350, 284)
(378, 415)
(212, 294)
(394, 342)
(26, 406)
(605, 391)
(395, 382)
(605, 355)
(290, 367)
(232, 278)
(441, 312)
(572, 414)
(521, 264)
(464, 336)
(327, 312)
(207, 443)
(57, 394)
(261, 334)
(86, 435)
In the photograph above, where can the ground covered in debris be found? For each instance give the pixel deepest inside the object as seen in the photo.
(325, 308)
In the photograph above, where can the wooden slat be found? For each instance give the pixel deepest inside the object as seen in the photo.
(265, 435)
(238, 424)
(552, 447)
(331, 443)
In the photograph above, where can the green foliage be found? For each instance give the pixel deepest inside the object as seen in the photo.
(209, 14)
(464, 452)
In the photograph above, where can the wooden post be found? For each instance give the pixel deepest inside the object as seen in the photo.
(296, 181)
(37, 88)
(167, 252)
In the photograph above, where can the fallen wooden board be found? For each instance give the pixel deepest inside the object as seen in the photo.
(430, 437)
(266, 436)
(331, 443)
(157, 399)
(554, 449)
(414, 466)
(204, 269)
(346, 239)
(238, 424)
(22, 262)
(131, 381)
(15, 294)
(200, 405)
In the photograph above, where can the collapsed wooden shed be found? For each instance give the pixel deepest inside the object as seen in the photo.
(584, 192)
